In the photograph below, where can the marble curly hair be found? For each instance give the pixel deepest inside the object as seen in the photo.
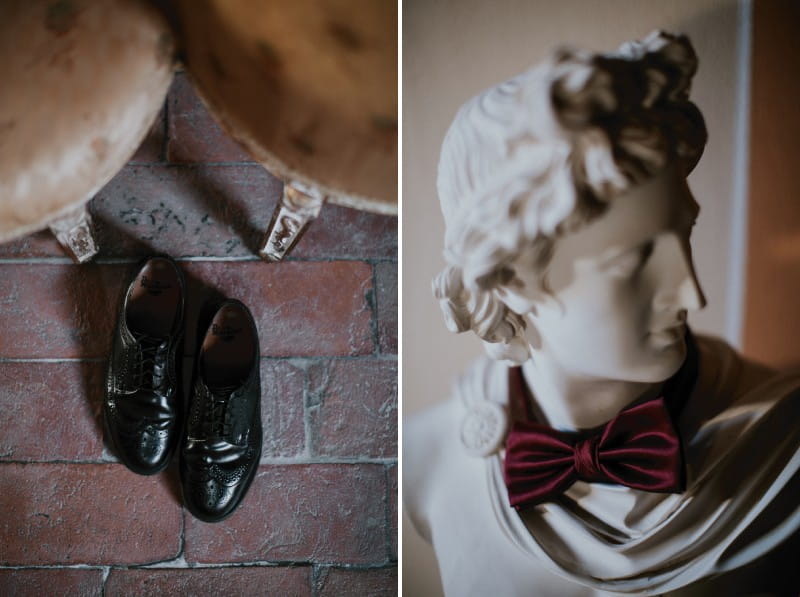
(541, 155)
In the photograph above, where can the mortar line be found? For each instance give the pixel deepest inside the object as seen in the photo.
(387, 523)
(182, 551)
(298, 563)
(50, 260)
(107, 568)
(316, 573)
(309, 359)
(165, 130)
(106, 574)
(307, 432)
(53, 566)
(375, 319)
(276, 461)
(52, 359)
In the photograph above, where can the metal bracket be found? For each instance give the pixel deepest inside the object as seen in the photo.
(299, 206)
(75, 232)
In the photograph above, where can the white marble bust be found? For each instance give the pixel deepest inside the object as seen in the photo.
(568, 247)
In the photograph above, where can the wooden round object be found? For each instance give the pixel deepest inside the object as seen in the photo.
(82, 82)
(308, 87)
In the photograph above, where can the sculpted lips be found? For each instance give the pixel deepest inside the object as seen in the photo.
(670, 331)
(669, 335)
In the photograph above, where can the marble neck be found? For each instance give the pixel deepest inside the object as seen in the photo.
(573, 402)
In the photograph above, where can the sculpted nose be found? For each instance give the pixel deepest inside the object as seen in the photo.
(690, 295)
(679, 286)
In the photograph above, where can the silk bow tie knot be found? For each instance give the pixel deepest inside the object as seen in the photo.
(638, 448)
(586, 464)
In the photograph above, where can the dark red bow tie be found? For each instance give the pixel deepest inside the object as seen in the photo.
(638, 448)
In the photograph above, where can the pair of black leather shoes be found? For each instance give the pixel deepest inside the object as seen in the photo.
(143, 407)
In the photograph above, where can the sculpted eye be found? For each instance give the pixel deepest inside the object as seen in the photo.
(629, 262)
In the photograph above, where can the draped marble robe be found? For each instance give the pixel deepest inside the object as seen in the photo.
(734, 531)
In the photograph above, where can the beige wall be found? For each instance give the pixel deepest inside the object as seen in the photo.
(453, 50)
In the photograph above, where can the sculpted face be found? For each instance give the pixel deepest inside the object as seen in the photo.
(620, 287)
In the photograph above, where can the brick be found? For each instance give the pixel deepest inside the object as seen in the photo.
(301, 308)
(51, 411)
(60, 310)
(151, 150)
(230, 581)
(315, 512)
(386, 302)
(393, 497)
(64, 582)
(343, 232)
(338, 582)
(37, 244)
(194, 134)
(216, 211)
(86, 514)
(353, 408)
(282, 411)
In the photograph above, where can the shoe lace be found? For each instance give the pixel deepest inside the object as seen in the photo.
(150, 375)
(216, 416)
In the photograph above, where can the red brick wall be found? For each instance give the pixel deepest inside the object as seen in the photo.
(320, 518)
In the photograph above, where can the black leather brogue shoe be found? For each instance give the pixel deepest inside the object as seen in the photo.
(143, 403)
(222, 444)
